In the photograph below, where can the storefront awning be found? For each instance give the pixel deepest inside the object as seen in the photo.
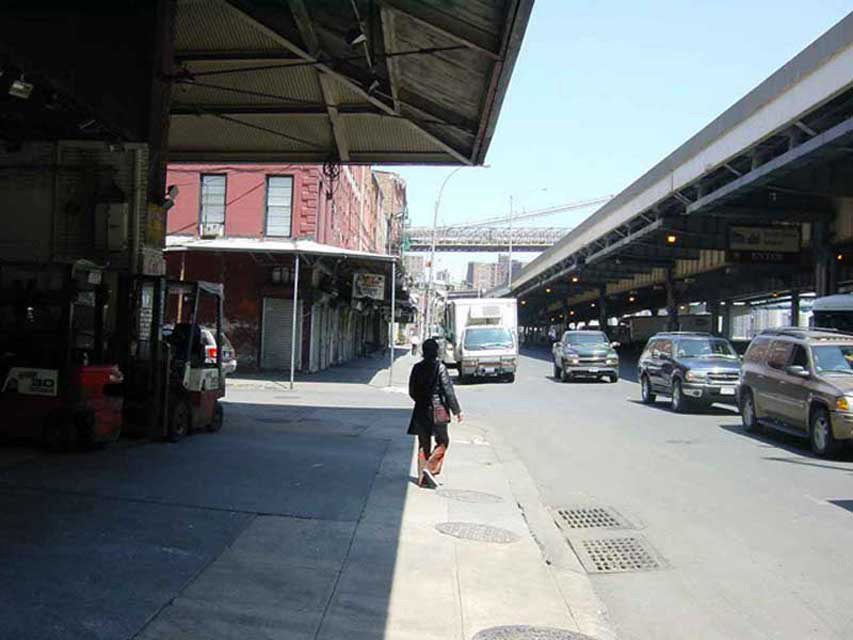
(265, 246)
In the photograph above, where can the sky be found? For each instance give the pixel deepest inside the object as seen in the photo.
(603, 90)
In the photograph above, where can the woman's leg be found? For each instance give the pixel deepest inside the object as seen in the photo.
(424, 446)
(442, 441)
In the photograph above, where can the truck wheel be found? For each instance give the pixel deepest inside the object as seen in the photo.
(510, 377)
(564, 375)
(747, 412)
(614, 378)
(179, 421)
(216, 422)
(646, 390)
(820, 434)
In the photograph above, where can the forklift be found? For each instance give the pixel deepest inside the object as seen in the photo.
(61, 384)
(174, 376)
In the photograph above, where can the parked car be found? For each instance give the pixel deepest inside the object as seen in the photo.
(800, 381)
(693, 369)
(208, 339)
(585, 354)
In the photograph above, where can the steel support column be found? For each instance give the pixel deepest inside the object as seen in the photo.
(825, 280)
(714, 308)
(602, 308)
(727, 320)
(795, 308)
(671, 303)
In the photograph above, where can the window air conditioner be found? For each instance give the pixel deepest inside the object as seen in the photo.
(211, 230)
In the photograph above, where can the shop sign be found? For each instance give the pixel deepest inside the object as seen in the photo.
(368, 285)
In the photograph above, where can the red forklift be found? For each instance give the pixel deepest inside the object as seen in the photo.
(61, 383)
(175, 376)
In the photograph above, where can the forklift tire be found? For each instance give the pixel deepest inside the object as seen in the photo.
(216, 423)
(179, 421)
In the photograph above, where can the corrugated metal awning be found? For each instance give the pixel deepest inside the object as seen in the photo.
(257, 81)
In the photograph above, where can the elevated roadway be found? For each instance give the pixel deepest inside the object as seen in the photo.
(759, 202)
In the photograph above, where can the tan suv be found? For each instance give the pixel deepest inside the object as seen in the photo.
(800, 381)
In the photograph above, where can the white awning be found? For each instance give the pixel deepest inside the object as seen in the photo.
(176, 243)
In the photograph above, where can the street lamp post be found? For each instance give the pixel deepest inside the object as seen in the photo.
(509, 264)
(428, 310)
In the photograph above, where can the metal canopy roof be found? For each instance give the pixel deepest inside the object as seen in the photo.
(280, 82)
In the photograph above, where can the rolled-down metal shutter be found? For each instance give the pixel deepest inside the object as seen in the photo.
(277, 334)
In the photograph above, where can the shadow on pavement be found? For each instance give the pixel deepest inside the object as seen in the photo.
(772, 439)
(664, 405)
(359, 371)
(242, 530)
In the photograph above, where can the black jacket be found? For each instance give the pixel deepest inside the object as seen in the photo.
(429, 384)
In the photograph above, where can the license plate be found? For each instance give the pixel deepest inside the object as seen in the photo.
(488, 369)
(593, 370)
(727, 391)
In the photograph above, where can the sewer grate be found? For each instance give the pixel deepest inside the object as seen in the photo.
(591, 518)
(476, 532)
(465, 495)
(525, 632)
(616, 555)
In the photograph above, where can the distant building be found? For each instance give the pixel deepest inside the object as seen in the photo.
(502, 269)
(482, 275)
(415, 266)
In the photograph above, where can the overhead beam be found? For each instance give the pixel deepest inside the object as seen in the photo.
(447, 25)
(302, 19)
(260, 110)
(389, 37)
(228, 55)
(245, 15)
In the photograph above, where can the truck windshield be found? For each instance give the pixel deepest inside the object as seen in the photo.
(488, 338)
(833, 358)
(704, 348)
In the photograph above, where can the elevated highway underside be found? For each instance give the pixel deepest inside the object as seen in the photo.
(757, 204)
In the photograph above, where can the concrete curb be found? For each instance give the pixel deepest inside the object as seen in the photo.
(587, 609)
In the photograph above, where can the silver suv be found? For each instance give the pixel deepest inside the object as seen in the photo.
(800, 381)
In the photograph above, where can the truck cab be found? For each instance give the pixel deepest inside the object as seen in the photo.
(482, 338)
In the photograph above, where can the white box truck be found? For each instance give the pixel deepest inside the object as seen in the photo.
(482, 337)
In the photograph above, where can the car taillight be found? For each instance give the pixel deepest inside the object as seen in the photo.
(116, 375)
(210, 352)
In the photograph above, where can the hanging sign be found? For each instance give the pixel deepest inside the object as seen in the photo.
(368, 285)
(771, 245)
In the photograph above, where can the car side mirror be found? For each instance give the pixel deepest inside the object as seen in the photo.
(797, 371)
(615, 345)
(558, 345)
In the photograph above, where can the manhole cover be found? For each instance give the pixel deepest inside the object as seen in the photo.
(476, 532)
(616, 555)
(464, 495)
(524, 632)
(591, 518)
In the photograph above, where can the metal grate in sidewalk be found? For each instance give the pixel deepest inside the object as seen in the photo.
(591, 518)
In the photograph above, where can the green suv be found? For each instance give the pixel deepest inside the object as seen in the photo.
(800, 381)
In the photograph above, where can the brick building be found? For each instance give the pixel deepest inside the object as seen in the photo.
(244, 226)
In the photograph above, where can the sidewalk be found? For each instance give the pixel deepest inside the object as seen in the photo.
(390, 574)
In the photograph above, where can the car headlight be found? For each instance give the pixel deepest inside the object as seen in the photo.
(508, 360)
(842, 404)
(470, 362)
(695, 376)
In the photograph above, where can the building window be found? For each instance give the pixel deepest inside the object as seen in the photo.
(279, 206)
(212, 199)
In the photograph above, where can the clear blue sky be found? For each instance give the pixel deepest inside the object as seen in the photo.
(602, 91)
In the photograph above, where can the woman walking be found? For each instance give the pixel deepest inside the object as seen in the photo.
(431, 389)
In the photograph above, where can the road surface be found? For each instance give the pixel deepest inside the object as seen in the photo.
(756, 534)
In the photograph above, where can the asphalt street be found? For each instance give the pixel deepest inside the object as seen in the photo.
(753, 534)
